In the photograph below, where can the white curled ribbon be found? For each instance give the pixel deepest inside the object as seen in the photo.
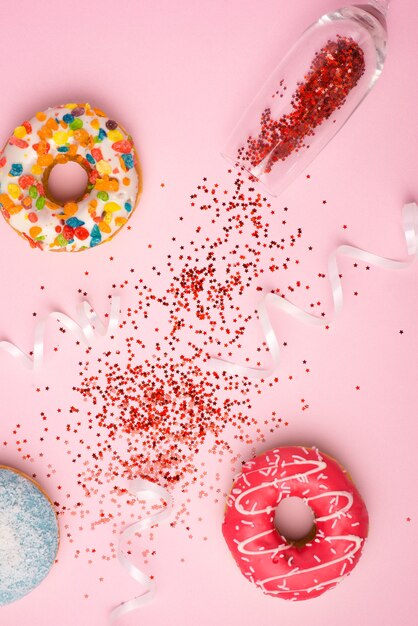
(410, 227)
(141, 487)
(86, 325)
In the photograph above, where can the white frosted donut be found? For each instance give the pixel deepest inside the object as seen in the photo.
(69, 132)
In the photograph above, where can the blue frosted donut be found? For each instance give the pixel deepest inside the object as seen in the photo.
(28, 535)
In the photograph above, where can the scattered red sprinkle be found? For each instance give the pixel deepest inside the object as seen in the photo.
(334, 72)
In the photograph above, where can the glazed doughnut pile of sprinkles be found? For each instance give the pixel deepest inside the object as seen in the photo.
(86, 136)
(151, 408)
(316, 563)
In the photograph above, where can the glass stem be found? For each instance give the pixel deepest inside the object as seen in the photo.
(382, 5)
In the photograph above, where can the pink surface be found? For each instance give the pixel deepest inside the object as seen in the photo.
(177, 75)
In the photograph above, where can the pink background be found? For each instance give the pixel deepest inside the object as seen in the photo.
(177, 75)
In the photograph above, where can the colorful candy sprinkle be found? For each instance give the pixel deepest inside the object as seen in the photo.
(16, 169)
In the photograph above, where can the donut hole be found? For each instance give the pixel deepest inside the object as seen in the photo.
(295, 521)
(66, 182)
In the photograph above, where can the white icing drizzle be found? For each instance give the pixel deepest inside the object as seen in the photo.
(317, 466)
(352, 551)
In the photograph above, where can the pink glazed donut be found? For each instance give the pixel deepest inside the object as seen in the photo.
(309, 567)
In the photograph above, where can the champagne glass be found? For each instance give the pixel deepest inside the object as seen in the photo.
(310, 95)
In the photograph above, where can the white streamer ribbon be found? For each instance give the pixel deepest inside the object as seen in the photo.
(139, 488)
(85, 327)
(410, 227)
